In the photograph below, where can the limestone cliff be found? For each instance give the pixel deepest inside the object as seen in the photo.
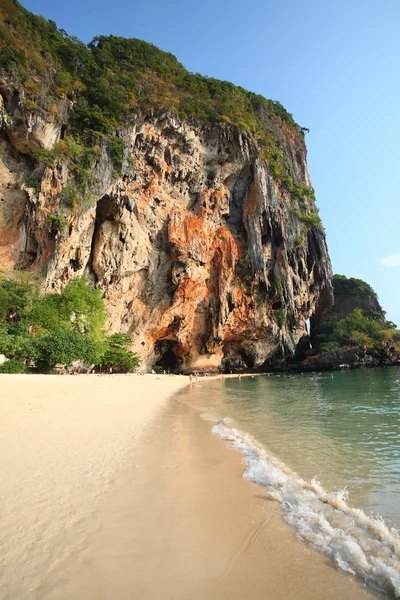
(351, 333)
(205, 256)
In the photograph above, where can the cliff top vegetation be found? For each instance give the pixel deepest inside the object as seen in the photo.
(343, 285)
(112, 78)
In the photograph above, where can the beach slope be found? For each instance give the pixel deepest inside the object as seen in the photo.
(63, 442)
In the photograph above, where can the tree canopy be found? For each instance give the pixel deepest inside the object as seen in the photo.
(45, 330)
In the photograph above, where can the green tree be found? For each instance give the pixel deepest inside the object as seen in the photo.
(117, 356)
(15, 298)
(79, 307)
(63, 346)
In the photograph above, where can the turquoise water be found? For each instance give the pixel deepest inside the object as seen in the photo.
(324, 446)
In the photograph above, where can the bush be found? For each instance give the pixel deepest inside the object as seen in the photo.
(310, 220)
(280, 316)
(60, 222)
(32, 182)
(298, 241)
(13, 366)
(117, 151)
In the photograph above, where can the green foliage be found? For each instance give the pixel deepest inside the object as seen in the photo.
(31, 47)
(310, 220)
(117, 356)
(114, 79)
(355, 319)
(15, 299)
(280, 316)
(71, 196)
(356, 329)
(65, 346)
(302, 191)
(17, 341)
(60, 221)
(350, 286)
(79, 191)
(117, 151)
(298, 241)
(79, 308)
(13, 366)
(59, 328)
(32, 182)
(68, 151)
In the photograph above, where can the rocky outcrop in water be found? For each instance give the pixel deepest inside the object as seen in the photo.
(351, 333)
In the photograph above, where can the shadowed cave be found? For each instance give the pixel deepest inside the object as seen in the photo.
(166, 357)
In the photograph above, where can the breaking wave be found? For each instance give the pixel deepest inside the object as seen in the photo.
(359, 544)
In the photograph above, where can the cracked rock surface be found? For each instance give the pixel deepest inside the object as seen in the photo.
(199, 253)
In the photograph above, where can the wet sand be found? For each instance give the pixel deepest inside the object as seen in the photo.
(179, 523)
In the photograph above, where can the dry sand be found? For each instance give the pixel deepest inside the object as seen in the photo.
(89, 513)
(63, 441)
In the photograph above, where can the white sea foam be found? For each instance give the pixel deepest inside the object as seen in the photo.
(359, 544)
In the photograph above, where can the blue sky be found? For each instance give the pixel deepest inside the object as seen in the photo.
(334, 65)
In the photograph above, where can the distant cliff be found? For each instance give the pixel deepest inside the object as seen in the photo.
(185, 199)
(353, 332)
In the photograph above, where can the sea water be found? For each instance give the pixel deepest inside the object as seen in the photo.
(327, 448)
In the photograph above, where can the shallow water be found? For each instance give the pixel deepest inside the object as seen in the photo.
(307, 438)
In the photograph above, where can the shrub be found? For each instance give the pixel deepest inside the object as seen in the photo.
(59, 221)
(71, 196)
(117, 151)
(280, 316)
(310, 220)
(356, 329)
(13, 366)
(33, 182)
(298, 241)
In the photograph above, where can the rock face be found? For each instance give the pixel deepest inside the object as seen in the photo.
(386, 355)
(350, 295)
(201, 257)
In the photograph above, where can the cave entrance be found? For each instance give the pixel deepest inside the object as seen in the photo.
(166, 357)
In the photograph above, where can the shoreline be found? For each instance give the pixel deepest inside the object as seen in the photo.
(168, 499)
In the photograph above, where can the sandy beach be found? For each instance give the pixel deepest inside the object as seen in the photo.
(63, 442)
(111, 489)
